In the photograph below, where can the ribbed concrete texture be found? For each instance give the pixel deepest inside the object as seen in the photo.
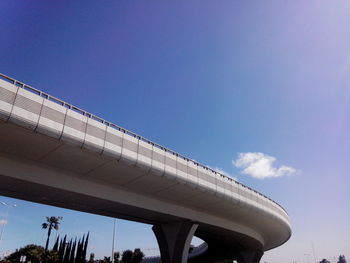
(54, 153)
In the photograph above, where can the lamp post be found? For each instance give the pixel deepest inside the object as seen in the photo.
(307, 256)
(114, 222)
(313, 250)
(8, 206)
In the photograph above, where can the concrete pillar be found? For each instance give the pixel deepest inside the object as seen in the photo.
(174, 240)
(250, 256)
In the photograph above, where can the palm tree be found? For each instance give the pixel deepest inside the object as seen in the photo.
(51, 222)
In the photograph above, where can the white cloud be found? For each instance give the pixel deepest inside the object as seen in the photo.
(3, 222)
(260, 165)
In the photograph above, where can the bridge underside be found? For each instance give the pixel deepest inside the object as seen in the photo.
(223, 245)
(24, 178)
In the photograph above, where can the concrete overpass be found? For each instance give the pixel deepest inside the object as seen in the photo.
(54, 153)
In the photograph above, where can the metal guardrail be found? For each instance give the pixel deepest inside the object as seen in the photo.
(110, 124)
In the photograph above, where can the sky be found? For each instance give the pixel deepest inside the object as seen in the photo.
(257, 89)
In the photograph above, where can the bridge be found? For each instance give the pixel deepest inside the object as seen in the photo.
(54, 153)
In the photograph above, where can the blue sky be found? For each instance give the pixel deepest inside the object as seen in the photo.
(210, 80)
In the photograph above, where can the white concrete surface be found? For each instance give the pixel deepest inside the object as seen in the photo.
(53, 146)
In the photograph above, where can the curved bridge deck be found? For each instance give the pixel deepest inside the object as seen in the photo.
(53, 152)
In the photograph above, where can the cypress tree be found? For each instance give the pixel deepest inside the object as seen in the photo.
(67, 252)
(72, 252)
(60, 245)
(85, 247)
(62, 249)
(55, 246)
(79, 250)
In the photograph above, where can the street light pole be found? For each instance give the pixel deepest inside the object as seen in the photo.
(8, 206)
(307, 256)
(313, 250)
(114, 222)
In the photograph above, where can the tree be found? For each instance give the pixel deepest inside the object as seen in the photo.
(137, 256)
(51, 222)
(116, 257)
(34, 254)
(74, 251)
(92, 258)
(324, 261)
(84, 247)
(341, 259)
(55, 246)
(107, 260)
(127, 256)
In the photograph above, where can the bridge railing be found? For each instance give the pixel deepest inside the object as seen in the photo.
(130, 133)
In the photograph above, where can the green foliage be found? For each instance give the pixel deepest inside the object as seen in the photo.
(127, 256)
(92, 258)
(85, 246)
(55, 246)
(132, 257)
(137, 256)
(106, 260)
(73, 252)
(116, 257)
(34, 253)
(61, 248)
(63, 251)
(341, 259)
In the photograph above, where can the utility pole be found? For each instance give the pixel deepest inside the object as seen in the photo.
(307, 257)
(8, 206)
(114, 222)
(313, 250)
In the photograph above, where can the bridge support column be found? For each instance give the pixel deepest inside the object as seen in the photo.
(250, 256)
(174, 240)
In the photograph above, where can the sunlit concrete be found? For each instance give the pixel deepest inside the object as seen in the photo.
(54, 153)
